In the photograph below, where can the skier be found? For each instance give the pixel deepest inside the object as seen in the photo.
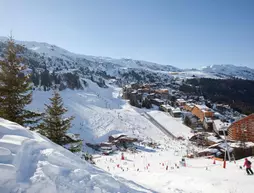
(247, 164)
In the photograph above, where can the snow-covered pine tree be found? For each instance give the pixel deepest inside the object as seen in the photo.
(15, 87)
(54, 125)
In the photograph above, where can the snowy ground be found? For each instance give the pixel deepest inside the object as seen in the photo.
(30, 163)
(100, 113)
(199, 175)
(173, 125)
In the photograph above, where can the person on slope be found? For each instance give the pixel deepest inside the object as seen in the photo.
(247, 164)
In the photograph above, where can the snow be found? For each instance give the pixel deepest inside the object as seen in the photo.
(185, 74)
(173, 125)
(34, 164)
(181, 100)
(99, 113)
(230, 71)
(112, 65)
(203, 108)
(158, 100)
(214, 139)
(31, 163)
(200, 174)
(220, 126)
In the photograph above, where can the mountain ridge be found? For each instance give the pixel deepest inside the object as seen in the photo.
(52, 56)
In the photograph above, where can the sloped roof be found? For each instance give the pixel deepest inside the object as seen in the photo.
(252, 115)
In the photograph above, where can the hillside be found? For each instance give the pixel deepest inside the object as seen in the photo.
(51, 64)
(45, 167)
(32, 163)
(237, 93)
(99, 112)
(232, 71)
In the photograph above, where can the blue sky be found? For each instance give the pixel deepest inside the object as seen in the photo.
(183, 33)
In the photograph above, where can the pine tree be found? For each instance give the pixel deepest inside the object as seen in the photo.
(15, 87)
(54, 125)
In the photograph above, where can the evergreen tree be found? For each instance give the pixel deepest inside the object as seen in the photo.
(45, 79)
(15, 87)
(54, 125)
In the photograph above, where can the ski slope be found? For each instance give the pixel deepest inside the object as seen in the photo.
(99, 112)
(200, 175)
(173, 125)
(32, 163)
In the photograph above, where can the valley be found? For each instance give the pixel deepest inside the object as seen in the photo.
(101, 113)
(107, 98)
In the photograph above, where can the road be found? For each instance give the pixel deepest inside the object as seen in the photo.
(159, 126)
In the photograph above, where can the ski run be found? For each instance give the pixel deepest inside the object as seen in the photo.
(31, 163)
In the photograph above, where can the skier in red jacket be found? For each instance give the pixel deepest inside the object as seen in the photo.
(247, 164)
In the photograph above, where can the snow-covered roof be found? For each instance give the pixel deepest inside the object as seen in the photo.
(158, 100)
(190, 104)
(208, 120)
(214, 139)
(203, 108)
(223, 146)
(180, 100)
(220, 126)
(211, 150)
(119, 134)
(238, 144)
(168, 107)
(176, 110)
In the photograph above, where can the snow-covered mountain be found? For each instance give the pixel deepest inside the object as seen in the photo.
(30, 162)
(228, 70)
(41, 56)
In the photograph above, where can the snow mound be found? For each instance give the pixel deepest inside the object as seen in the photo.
(30, 162)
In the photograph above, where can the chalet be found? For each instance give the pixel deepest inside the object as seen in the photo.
(180, 102)
(126, 92)
(175, 112)
(220, 127)
(157, 102)
(118, 141)
(242, 130)
(217, 150)
(146, 86)
(202, 111)
(165, 108)
(135, 98)
(143, 90)
(208, 124)
(151, 96)
(188, 106)
(163, 93)
(235, 149)
(135, 85)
